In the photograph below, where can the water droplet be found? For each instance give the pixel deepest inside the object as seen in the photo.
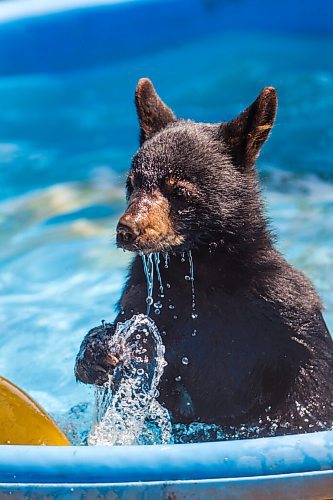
(178, 378)
(168, 285)
(175, 317)
(166, 261)
(171, 306)
(149, 300)
(194, 333)
(157, 311)
(188, 278)
(194, 315)
(185, 360)
(140, 371)
(138, 336)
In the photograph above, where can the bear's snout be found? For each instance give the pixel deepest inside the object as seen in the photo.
(146, 226)
(127, 231)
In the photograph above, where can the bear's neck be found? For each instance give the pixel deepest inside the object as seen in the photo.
(241, 269)
(243, 266)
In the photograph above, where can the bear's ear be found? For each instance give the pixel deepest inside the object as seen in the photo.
(153, 114)
(246, 133)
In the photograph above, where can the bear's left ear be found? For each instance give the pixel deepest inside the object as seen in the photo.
(153, 114)
(246, 133)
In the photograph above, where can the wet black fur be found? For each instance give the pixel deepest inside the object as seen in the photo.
(262, 351)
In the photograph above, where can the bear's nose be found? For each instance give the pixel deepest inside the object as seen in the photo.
(127, 231)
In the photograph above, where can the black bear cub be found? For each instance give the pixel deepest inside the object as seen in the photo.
(258, 350)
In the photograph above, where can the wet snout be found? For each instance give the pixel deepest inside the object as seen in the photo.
(127, 230)
(146, 225)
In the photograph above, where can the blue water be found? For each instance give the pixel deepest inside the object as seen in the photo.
(65, 145)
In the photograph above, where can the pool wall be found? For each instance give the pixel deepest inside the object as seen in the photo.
(310, 486)
(288, 466)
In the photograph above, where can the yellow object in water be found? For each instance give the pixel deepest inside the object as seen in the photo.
(23, 421)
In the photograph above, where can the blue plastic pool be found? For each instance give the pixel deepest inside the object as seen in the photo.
(67, 132)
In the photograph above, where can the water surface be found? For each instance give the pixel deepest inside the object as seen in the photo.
(65, 145)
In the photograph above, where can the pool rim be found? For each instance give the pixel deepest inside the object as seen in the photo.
(270, 456)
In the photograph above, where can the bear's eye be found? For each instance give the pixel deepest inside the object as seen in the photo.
(176, 187)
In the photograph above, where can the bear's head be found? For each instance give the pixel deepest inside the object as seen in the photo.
(194, 184)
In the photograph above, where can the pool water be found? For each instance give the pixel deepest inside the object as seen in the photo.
(65, 145)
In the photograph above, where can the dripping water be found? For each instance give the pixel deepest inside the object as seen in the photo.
(150, 262)
(148, 266)
(190, 259)
(157, 265)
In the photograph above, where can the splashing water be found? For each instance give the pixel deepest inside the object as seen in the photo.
(127, 411)
(126, 408)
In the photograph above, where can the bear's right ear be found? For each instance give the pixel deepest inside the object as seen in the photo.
(245, 134)
(153, 114)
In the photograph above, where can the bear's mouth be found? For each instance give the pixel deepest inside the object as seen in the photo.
(151, 242)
